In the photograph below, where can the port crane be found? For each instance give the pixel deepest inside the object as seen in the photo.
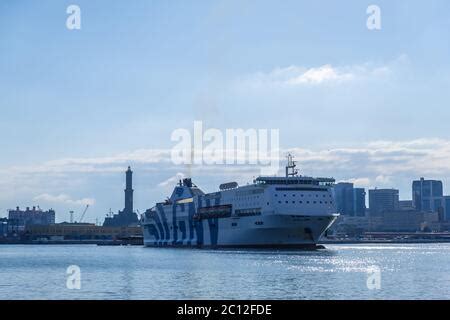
(84, 212)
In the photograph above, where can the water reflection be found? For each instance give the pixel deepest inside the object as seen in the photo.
(338, 272)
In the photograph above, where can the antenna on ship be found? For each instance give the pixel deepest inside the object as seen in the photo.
(290, 168)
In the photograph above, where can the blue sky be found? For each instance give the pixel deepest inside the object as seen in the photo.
(110, 94)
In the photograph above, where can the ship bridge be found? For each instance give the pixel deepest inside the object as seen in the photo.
(292, 177)
(295, 180)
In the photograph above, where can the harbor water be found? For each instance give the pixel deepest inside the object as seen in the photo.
(356, 271)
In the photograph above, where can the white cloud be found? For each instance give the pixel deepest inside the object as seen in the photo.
(372, 164)
(63, 199)
(381, 163)
(294, 76)
(381, 158)
(320, 75)
(383, 180)
(114, 163)
(360, 182)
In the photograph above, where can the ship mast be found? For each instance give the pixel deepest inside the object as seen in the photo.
(290, 168)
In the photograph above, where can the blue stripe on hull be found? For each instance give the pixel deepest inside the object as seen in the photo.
(160, 210)
(160, 228)
(174, 224)
(198, 225)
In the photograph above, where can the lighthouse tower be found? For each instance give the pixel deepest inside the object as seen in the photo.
(129, 192)
(126, 217)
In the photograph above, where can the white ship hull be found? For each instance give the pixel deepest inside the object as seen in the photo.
(272, 230)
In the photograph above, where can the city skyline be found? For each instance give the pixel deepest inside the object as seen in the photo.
(357, 208)
(358, 105)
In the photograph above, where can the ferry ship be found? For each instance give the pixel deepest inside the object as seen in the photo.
(289, 211)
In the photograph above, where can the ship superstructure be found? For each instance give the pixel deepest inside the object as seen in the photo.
(289, 211)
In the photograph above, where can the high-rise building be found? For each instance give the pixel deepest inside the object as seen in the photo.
(381, 200)
(446, 205)
(344, 198)
(359, 202)
(350, 201)
(427, 195)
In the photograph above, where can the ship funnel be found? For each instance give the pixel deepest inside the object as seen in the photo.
(187, 182)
